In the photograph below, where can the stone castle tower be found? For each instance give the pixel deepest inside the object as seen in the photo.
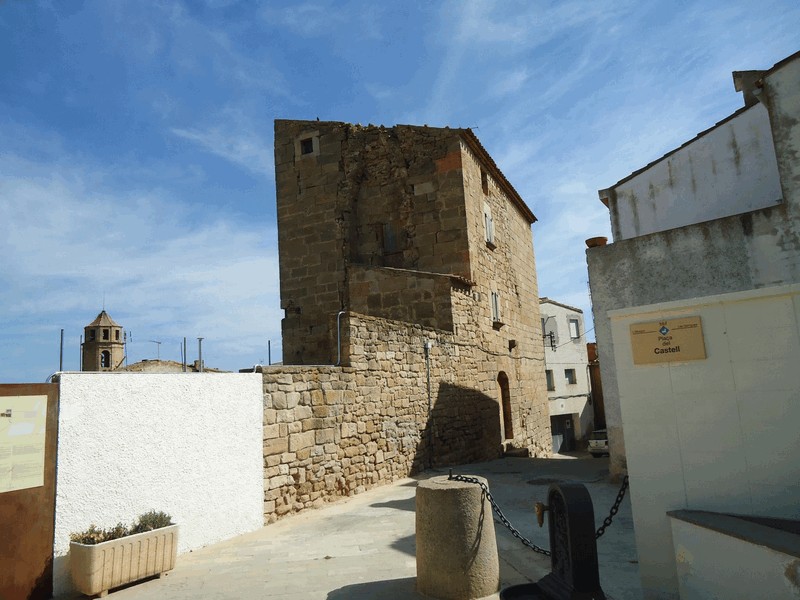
(393, 237)
(104, 344)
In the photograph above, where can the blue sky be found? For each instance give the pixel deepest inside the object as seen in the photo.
(136, 160)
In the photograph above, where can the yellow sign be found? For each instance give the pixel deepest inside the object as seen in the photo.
(671, 340)
(22, 434)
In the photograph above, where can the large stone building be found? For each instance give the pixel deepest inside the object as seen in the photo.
(697, 312)
(408, 276)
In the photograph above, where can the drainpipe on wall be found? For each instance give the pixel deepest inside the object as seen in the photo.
(428, 345)
(339, 337)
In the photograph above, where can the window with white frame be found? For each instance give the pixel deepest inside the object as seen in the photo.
(574, 329)
(496, 307)
(488, 225)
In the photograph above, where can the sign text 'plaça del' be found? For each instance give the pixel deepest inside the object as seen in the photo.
(668, 340)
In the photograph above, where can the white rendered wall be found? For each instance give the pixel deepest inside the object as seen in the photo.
(189, 444)
(567, 398)
(718, 434)
(711, 564)
(730, 170)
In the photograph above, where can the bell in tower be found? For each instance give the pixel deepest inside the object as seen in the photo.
(104, 344)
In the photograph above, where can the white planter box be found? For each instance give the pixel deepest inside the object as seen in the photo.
(96, 568)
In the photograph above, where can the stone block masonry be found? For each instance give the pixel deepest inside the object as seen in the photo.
(406, 257)
(332, 432)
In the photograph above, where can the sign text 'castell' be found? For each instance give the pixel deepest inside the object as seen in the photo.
(667, 340)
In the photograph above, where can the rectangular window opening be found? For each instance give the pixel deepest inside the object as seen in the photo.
(485, 182)
(488, 226)
(569, 374)
(496, 307)
(307, 146)
(574, 329)
(551, 384)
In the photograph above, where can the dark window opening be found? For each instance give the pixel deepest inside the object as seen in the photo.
(551, 384)
(570, 375)
(105, 359)
(505, 397)
(116, 335)
(91, 334)
(484, 182)
(307, 146)
(105, 334)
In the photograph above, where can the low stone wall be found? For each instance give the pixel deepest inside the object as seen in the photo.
(332, 431)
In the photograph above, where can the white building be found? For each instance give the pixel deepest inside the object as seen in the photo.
(697, 316)
(568, 388)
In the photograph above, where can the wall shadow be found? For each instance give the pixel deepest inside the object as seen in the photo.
(463, 427)
(408, 504)
(378, 590)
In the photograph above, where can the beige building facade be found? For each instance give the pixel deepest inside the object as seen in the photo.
(411, 333)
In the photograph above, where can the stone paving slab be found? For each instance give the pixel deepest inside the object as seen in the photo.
(363, 547)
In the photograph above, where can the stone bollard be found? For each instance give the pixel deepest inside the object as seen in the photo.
(456, 545)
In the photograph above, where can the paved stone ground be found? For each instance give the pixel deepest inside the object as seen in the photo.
(363, 547)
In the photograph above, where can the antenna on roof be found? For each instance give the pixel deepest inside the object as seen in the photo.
(158, 346)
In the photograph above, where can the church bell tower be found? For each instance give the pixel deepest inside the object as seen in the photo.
(103, 345)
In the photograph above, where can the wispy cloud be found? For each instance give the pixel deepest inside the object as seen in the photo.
(75, 241)
(239, 147)
(309, 19)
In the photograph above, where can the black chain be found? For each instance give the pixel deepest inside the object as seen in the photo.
(600, 530)
(499, 513)
(614, 509)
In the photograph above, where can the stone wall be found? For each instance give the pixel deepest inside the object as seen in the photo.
(387, 229)
(331, 431)
(402, 295)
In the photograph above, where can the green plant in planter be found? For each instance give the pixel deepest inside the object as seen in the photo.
(151, 520)
(147, 522)
(102, 559)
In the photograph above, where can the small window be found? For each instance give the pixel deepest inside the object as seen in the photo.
(570, 376)
(551, 384)
(574, 329)
(496, 316)
(90, 334)
(116, 335)
(105, 359)
(488, 226)
(105, 334)
(307, 146)
(484, 182)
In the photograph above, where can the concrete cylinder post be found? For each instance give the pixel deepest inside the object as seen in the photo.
(456, 545)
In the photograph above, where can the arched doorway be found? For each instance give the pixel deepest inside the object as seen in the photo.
(505, 406)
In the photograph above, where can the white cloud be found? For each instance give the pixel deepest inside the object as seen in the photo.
(239, 147)
(308, 19)
(509, 82)
(70, 242)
